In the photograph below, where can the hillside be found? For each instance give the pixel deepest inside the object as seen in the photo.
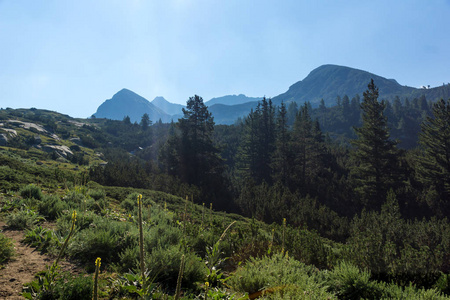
(127, 103)
(320, 218)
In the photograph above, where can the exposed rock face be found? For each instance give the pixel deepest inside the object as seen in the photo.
(27, 125)
(3, 139)
(37, 140)
(76, 140)
(11, 132)
(61, 150)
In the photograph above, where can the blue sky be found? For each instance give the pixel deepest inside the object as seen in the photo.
(70, 56)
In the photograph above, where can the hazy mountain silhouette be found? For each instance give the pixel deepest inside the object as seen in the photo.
(329, 81)
(127, 103)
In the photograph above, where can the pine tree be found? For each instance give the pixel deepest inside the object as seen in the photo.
(375, 155)
(200, 163)
(308, 148)
(434, 167)
(258, 143)
(169, 153)
(145, 121)
(282, 159)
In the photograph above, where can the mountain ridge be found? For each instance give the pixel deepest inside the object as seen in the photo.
(326, 82)
(127, 103)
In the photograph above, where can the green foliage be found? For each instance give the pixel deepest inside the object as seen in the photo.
(11, 204)
(6, 249)
(31, 191)
(376, 155)
(97, 194)
(41, 238)
(165, 265)
(103, 238)
(128, 259)
(394, 249)
(66, 287)
(131, 285)
(349, 282)
(51, 206)
(24, 218)
(434, 163)
(277, 274)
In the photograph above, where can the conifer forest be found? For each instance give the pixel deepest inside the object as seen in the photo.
(290, 202)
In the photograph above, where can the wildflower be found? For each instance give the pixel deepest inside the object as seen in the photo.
(98, 262)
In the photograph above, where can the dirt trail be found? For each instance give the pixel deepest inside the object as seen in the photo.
(25, 264)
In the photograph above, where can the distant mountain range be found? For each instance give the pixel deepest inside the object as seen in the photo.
(232, 100)
(127, 103)
(326, 82)
(329, 81)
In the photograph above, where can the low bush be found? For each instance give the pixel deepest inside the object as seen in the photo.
(23, 219)
(103, 238)
(349, 282)
(165, 265)
(97, 194)
(41, 238)
(52, 206)
(6, 248)
(31, 191)
(67, 287)
(277, 277)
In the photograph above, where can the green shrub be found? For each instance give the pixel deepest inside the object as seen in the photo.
(41, 238)
(23, 219)
(74, 198)
(103, 238)
(130, 203)
(277, 276)
(88, 244)
(6, 248)
(349, 282)
(75, 288)
(84, 220)
(52, 206)
(307, 247)
(97, 194)
(12, 204)
(165, 265)
(66, 286)
(128, 259)
(162, 236)
(31, 191)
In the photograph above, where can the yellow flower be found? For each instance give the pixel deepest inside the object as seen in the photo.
(74, 216)
(207, 284)
(139, 199)
(98, 262)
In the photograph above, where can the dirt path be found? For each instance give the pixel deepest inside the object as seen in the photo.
(26, 263)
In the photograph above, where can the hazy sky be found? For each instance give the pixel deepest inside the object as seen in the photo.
(70, 56)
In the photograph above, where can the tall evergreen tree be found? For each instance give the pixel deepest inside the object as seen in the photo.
(169, 153)
(145, 121)
(434, 170)
(282, 159)
(308, 147)
(199, 159)
(375, 154)
(258, 143)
